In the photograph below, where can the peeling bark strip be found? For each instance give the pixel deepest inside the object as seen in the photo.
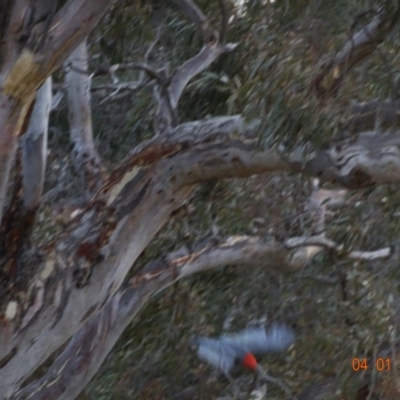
(362, 44)
(34, 147)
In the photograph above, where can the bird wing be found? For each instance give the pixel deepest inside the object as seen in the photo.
(217, 354)
(259, 341)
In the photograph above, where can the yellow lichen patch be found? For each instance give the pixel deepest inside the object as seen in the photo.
(116, 190)
(24, 77)
(336, 72)
(11, 310)
(48, 269)
(23, 115)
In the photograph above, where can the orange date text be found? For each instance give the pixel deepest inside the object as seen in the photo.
(362, 364)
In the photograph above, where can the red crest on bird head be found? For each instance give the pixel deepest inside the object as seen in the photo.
(249, 361)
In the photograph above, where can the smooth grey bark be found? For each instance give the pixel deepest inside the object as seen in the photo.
(85, 158)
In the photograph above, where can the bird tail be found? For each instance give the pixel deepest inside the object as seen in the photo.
(279, 338)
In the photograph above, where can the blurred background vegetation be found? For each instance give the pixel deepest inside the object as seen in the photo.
(339, 309)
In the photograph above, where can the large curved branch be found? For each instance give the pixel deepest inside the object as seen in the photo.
(89, 347)
(367, 159)
(206, 149)
(370, 158)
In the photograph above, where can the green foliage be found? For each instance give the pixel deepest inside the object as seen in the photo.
(268, 75)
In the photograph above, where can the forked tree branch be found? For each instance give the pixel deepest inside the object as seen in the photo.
(167, 95)
(193, 67)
